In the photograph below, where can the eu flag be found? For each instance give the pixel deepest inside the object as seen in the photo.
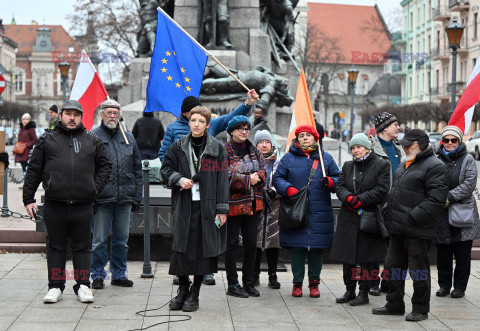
(176, 70)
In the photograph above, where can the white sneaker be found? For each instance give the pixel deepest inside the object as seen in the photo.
(85, 294)
(53, 295)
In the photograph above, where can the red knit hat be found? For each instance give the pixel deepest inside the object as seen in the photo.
(307, 128)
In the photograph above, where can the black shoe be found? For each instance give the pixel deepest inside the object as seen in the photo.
(176, 281)
(361, 299)
(257, 280)
(385, 311)
(98, 284)
(416, 317)
(273, 282)
(124, 282)
(442, 292)
(374, 290)
(457, 294)
(237, 291)
(208, 280)
(192, 302)
(349, 295)
(251, 290)
(182, 294)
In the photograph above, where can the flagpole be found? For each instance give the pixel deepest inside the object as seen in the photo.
(121, 127)
(203, 48)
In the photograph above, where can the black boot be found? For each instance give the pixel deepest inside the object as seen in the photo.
(349, 295)
(192, 302)
(182, 293)
(361, 299)
(273, 281)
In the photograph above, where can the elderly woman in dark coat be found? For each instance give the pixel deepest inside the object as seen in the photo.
(452, 240)
(196, 168)
(27, 135)
(350, 245)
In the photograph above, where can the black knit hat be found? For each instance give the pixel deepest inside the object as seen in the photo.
(54, 108)
(383, 120)
(189, 103)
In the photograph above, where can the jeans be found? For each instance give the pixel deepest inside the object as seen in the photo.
(117, 218)
(463, 253)
(315, 263)
(66, 222)
(249, 226)
(412, 254)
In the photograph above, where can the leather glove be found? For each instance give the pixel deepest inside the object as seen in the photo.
(272, 194)
(327, 182)
(291, 191)
(4, 159)
(353, 202)
(135, 207)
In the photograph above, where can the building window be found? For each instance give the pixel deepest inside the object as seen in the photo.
(475, 17)
(474, 62)
(411, 21)
(19, 77)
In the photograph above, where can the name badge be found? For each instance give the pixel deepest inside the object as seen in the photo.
(196, 192)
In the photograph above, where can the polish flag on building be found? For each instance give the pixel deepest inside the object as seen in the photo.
(302, 110)
(462, 116)
(88, 89)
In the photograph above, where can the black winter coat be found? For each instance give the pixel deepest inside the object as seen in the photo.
(214, 193)
(125, 184)
(350, 245)
(148, 132)
(73, 165)
(417, 197)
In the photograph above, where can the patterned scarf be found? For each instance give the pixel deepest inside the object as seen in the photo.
(307, 149)
(360, 159)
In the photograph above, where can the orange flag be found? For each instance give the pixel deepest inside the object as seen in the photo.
(302, 110)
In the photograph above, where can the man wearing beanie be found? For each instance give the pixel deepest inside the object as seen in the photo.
(180, 127)
(53, 113)
(385, 145)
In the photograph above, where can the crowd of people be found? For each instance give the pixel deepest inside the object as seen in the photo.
(398, 198)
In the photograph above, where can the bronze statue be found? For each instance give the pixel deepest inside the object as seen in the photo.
(147, 27)
(219, 85)
(214, 27)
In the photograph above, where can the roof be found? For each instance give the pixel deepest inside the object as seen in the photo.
(360, 30)
(26, 35)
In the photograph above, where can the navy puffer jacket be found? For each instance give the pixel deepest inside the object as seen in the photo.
(125, 184)
(294, 170)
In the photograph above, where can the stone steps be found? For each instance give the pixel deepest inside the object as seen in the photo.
(19, 240)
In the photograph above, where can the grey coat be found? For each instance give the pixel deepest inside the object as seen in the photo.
(463, 193)
(214, 193)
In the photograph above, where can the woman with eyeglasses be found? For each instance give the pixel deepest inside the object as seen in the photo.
(247, 177)
(452, 240)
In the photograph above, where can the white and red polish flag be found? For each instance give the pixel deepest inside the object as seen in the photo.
(88, 89)
(462, 116)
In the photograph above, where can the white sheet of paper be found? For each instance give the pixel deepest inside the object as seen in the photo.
(196, 192)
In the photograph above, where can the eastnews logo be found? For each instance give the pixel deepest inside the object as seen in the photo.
(359, 57)
(95, 57)
(390, 274)
(75, 274)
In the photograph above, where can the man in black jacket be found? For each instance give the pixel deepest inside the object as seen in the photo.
(73, 165)
(148, 132)
(121, 196)
(418, 194)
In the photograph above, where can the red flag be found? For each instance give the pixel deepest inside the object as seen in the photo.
(88, 89)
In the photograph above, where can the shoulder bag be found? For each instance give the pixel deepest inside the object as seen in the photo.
(368, 219)
(19, 147)
(293, 212)
(461, 215)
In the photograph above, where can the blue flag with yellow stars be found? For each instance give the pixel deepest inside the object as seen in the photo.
(176, 70)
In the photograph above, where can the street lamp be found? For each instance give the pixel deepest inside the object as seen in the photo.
(454, 33)
(352, 79)
(64, 68)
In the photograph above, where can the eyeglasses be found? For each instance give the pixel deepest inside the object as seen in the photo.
(243, 130)
(453, 140)
(112, 113)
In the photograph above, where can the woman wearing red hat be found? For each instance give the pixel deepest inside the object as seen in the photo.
(292, 175)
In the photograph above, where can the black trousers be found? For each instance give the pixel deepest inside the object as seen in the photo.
(249, 225)
(66, 222)
(272, 260)
(463, 254)
(406, 253)
(364, 274)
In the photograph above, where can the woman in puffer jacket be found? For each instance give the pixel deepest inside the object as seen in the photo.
(455, 239)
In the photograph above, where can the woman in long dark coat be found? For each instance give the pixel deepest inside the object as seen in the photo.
(27, 135)
(196, 168)
(350, 245)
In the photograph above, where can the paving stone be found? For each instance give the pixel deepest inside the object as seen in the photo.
(34, 326)
(51, 313)
(118, 324)
(111, 312)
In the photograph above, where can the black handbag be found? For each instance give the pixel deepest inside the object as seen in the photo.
(294, 209)
(368, 219)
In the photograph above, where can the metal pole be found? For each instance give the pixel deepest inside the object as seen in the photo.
(340, 153)
(454, 81)
(147, 267)
(351, 110)
(5, 193)
(64, 88)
